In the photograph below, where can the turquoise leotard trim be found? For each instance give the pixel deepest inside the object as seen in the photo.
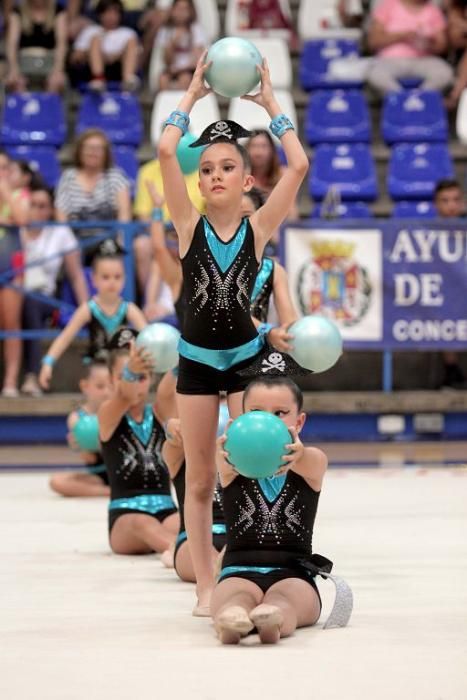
(146, 504)
(247, 569)
(98, 469)
(217, 529)
(109, 323)
(264, 272)
(142, 430)
(225, 253)
(272, 486)
(220, 359)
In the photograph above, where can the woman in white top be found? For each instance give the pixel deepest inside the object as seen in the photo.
(54, 245)
(182, 41)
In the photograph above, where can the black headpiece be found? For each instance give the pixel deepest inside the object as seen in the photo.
(122, 339)
(108, 248)
(225, 131)
(272, 363)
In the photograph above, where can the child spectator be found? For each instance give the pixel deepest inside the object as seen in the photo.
(181, 40)
(36, 44)
(408, 37)
(14, 212)
(450, 204)
(54, 245)
(107, 50)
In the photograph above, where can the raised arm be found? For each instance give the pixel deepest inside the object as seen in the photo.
(80, 318)
(269, 217)
(286, 311)
(170, 268)
(136, 317)
(182, 212)
(125, 394)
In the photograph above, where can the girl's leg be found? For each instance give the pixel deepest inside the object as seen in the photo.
(11, 315)
(96, 58)
(198, 420)
(172, 524)
(235, 404)
(288, 604)
(138, 533)
(184, 564)
(78, 485)
(130, 60)
(231, 605)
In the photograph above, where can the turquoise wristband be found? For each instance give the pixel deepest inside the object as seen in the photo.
(264, 328)
(156, 214)
(129, 376)
(179, 119)
(280, 124)
(48, 360)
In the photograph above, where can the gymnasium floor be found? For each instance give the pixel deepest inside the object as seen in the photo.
(77, 622)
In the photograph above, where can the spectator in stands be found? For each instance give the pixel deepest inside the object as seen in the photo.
(36, 45)
(107, 50)
(449, 202)
(457, 36)
(265, 164)
(408, 37)
(182, 41)
(14, 212)
(268, 14)
(92, 190)
(149, 24)
(55, 245)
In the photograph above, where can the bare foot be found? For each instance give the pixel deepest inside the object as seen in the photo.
(167, 558)
(232, 624)
(268, 620)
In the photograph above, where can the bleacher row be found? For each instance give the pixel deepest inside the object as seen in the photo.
(336, 121)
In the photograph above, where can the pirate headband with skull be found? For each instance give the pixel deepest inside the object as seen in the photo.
(224, 131)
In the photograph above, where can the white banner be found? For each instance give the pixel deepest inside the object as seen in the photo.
(338, 273)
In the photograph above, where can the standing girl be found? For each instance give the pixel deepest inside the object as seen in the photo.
(220, 256)
(105, 313)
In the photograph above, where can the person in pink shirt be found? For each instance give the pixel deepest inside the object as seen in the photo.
(408, 37)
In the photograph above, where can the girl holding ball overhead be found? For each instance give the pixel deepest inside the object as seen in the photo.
(220, 255)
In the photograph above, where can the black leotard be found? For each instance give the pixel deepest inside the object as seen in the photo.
(134, 461)
(262, 290)
(270, 518)
(218, 280)
(102, 327)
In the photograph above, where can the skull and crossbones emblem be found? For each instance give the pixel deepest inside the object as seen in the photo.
(221, 129)
(273, 361)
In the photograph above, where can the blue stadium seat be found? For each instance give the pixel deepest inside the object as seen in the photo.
(67, 295)
(349, 168)
(42, 159)
(414, 169)
(343, 210)
(117, 114)
(414, 116)
(315, 61)
(33, 118)
(126, 159)
(414, 210)
(337, 117)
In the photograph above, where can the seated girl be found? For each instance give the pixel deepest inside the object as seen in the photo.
(266, 579)
(143, 517)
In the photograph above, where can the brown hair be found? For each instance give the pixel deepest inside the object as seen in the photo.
(273, 172)
(25, 16)
(115, 354)
(80, 141)
(193, 18)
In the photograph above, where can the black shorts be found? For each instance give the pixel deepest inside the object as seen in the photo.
(218, 542)
(265, 581)
(117, 512)
(198, 378)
